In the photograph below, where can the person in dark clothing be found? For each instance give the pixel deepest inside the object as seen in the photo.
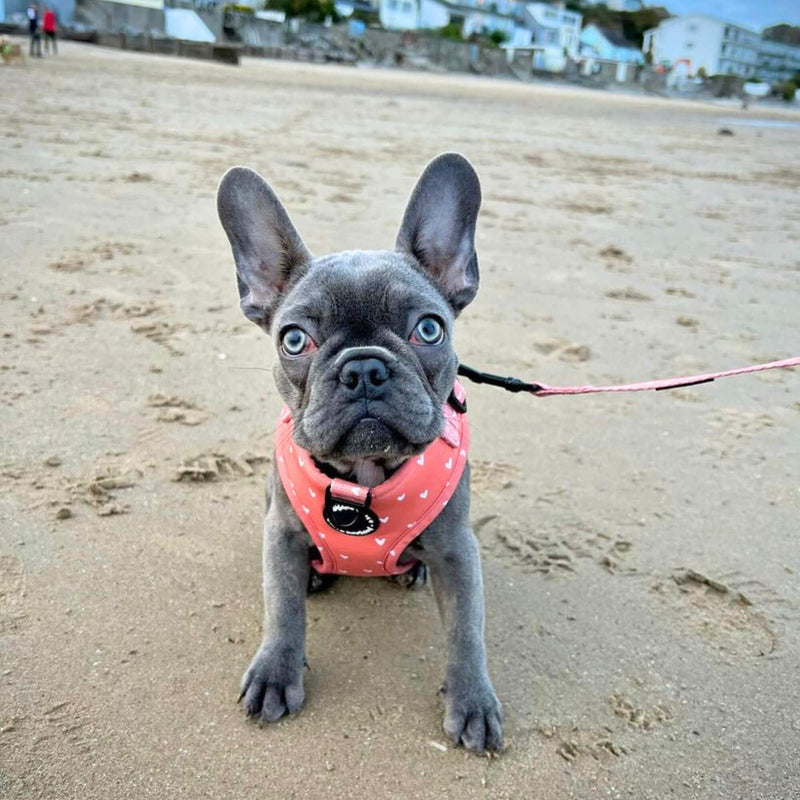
(49, 29)
(33, 29)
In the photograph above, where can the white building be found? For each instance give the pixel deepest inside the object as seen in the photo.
(472, 16)
(700, 42)
(555, 33)
(777, 61)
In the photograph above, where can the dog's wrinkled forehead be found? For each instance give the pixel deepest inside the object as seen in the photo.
(361, 292)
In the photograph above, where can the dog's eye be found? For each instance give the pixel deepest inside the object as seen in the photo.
(428, 331)
(296, 342)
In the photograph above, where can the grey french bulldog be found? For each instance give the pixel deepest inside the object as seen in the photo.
(365, 363)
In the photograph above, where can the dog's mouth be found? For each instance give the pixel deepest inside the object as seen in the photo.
(373, 438)
(371, 430)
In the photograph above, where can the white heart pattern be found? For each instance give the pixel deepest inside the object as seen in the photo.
(421, 459)
(449, 463)
(344, 556)
(312, 492)
(306, 510)
(368, 571)
(401, 498)
(321, 535)
(380, 542)
(300, 461)
(424, 494)
(384, 520)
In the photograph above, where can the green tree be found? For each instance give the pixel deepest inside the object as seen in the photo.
(451, 31)
(314, 10)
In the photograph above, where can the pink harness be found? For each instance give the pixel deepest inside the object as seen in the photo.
(361, 531)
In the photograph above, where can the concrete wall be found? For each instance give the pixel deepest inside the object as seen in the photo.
(112, 16)
(412, 47)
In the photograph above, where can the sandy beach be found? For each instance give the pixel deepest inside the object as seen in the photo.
(640, 552)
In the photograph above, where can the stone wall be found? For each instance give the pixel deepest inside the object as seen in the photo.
(110, 16)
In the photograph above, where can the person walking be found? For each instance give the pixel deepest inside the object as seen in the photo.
(49, 29)
(33, 29)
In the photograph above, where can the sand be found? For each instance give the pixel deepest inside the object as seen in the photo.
(640, 551)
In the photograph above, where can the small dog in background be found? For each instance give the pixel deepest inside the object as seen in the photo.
(370, 475)
(11, 52)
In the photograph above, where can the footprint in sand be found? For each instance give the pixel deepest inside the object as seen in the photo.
(176, 409)
(562, 348)
(616, 259)
(80, 261)
(723, 617)
(12, 590)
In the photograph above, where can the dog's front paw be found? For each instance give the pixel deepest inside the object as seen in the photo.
(472, 715)
(273, 684)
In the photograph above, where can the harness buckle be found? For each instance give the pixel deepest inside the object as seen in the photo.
(347, 508)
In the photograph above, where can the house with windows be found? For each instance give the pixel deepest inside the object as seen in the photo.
(701, 42)
(777, 61)
(472, 16)
(551, 32)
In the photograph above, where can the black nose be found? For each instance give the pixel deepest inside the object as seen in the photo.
(364, 374)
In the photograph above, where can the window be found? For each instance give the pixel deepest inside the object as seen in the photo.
(406, 6)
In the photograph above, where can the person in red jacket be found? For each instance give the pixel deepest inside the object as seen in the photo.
(49, 28)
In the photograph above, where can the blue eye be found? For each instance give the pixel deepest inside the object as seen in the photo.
(428, 331)
(295, 342)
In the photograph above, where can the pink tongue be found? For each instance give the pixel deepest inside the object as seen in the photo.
(368, 473)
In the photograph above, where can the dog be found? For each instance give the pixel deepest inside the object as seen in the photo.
(366, 368)
(10, 52)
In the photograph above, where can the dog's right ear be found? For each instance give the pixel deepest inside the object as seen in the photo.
(266, 247)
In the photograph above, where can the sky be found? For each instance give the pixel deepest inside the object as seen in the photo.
(756, 14)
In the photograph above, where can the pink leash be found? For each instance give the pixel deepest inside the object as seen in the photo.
(545, 390)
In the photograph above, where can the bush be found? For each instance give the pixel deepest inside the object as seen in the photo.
(498, 37)
(451, 31)
(788, 90)
(314, 10)
(701, 73)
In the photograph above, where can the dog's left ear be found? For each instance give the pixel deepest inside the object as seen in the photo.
(438, 227)
(267, 249)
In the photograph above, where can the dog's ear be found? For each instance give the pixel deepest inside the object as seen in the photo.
(438, 227)
(266, 247)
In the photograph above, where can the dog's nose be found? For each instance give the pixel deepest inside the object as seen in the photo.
(364, 374)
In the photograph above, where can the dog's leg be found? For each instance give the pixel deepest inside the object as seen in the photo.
(273, 684)
(473, 715)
